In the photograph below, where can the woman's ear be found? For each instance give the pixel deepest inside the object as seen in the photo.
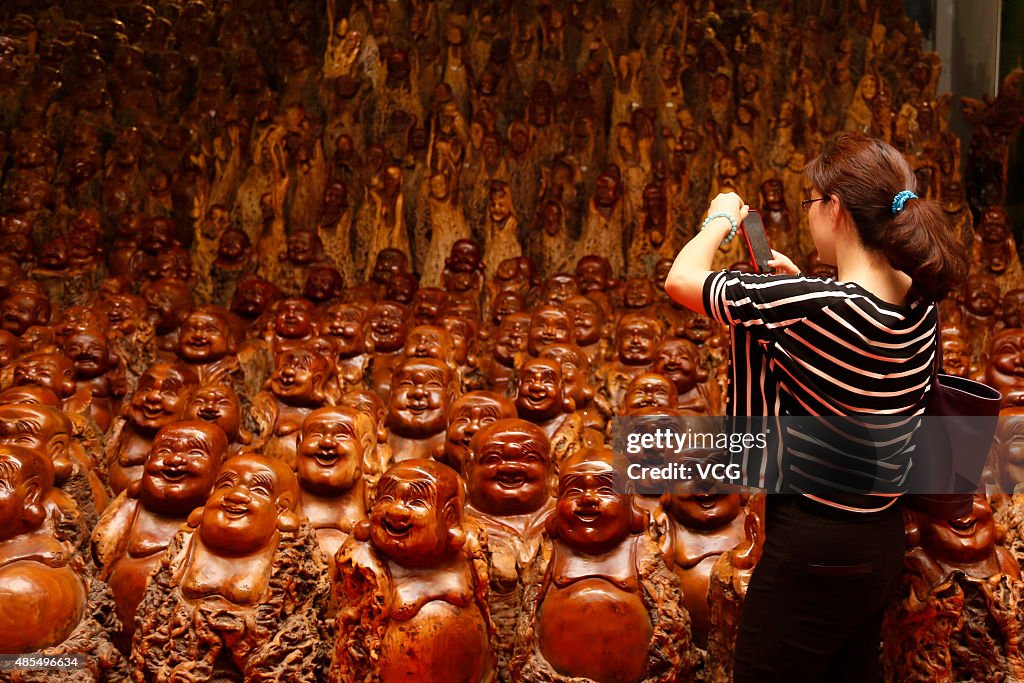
(837, 212)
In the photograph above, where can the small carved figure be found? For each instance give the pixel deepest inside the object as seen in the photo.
(207, 343)
(599, 601)
(295, 389)
(293, 325)
(1002, 370)
(158, 401)
(549, 325)
(511, 480)
(386, 329)
(167, 303)
(344, 323)
(501, 231)
(649, 390)
(133, 533)
(509, 347)
(543, 398)
(422, 391)
(589, 323)
(637, 337)
(323, 285)
(697, 529)
(955, 615)
(48, 604)
(605, 224)
(244, 580)
(414, 578)
(21, 310)
(336, 459)
(470, 413)
(99, 377)
(218, 403)
(679, 361)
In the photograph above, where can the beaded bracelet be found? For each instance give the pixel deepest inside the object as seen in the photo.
(732, 221)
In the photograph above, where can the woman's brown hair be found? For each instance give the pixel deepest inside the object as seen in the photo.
(866, 174)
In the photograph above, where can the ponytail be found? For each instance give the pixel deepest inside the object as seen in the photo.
(914, 234)
(919, 241)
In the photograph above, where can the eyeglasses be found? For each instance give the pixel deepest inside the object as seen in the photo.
(806, 204)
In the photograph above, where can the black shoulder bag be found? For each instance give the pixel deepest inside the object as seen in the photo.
(951, 453)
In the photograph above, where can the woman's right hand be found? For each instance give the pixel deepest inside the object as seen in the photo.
(731, 204)
(782, 264)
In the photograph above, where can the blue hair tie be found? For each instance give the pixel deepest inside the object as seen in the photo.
(900, 199)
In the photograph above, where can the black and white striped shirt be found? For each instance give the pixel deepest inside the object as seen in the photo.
(817, 347)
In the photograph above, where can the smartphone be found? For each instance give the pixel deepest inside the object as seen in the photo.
(757, 242)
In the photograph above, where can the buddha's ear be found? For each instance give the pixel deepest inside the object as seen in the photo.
(68, 386)
(135, 489)
(287, 518)
(195, 517)
(638, 517)
(361, 530)
(33, 512)
(568, 404)
(288, 522)
(456, 537)
(551, 526)
(63, 467)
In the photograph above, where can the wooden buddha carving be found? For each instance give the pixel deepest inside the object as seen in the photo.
(698, 528)
(295, 388)
(543, 398)
(344, 324)
(49, 606)
(511, 480)
(226, 578)
(422, 391)
(414, 579)
(599, 601)
(679, 360)
(158, 400)
(636, 342)
(386, 329)
(335, 448)
(207, 343)
(549, 325)
(955, 569)
(470, 413)
(509, 348)
(133, 533)
(99, 377)
(218, 403)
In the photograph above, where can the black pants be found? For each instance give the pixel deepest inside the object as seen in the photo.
(814, 607)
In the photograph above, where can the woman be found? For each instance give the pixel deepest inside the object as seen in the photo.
(860, 345)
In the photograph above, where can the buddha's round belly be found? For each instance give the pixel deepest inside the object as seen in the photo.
(441, 644)
(595, 630)
(127, 581)
(40, 606)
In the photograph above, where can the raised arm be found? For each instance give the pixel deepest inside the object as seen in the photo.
(685, 282)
